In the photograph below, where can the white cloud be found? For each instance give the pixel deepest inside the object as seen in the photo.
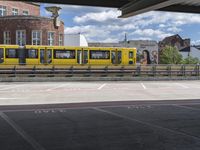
(151, 33)
(195, 42)
(91, 32)
(174, 29)
(97, 16)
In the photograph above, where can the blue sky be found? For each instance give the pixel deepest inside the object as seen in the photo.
(103, 25)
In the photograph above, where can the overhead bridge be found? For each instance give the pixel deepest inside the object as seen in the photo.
(135, 7)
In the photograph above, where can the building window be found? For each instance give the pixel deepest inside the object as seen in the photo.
(14, 11)
(21, 37)
(25, 12)
(7, 37)
(51, 38)
(60, 39)
(2, 10)
(36, 37)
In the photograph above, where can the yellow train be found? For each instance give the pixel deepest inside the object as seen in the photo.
(62, 55)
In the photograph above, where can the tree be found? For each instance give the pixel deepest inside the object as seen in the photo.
(170, 55)
(190, 60)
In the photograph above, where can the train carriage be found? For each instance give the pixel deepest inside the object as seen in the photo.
(63, 55)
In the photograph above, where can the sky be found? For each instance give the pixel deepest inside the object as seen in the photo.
(100, 24)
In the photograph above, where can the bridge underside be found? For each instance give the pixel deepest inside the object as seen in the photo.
(135, 7)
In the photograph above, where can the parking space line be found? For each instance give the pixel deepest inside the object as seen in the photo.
(145, 123)
(99, 88)
(144, 87)
(181, 85)
(2, 98)
(20, 131)
(11, 87)
(54, 88)
(187, 107)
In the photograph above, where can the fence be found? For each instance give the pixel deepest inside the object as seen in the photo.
(100, 71)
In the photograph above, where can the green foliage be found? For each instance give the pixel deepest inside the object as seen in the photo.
(190, 60)
(170, 55)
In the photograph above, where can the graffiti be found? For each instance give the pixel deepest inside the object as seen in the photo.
(148, 57)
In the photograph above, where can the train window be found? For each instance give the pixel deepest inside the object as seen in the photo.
(99, 54)
(1, 53)
(11, 53)
(130, 55)
(64, 54)
(32, 53)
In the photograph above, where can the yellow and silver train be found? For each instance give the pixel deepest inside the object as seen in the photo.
(63, 55)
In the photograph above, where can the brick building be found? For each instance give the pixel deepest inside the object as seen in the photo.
(175, 41)
(21, 24)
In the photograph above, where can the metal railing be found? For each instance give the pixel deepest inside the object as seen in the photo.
(85, 70)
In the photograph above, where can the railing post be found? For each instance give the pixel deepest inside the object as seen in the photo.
(169, 70)
(197, 70)
(53, 70)
(154, 70)
(139, 70)
(14, 69)
(89, 70)
(183, 70)
(34, 70)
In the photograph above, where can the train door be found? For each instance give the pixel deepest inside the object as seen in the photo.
(42, 58)
(131, 57)
(49, 56)
(45, 56)
(119, 57)
(1, 55)
(85, 57)
(82, 56)
(22, 56)
(79, 56)
(113, 57)
(116, 57)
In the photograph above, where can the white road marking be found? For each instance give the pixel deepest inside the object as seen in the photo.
(99, 88)
(181, 85)
(54, 88)
(20, 131)
(2, 98)
(187, 107)
(145, 123)
(144, 87)
(11, 87)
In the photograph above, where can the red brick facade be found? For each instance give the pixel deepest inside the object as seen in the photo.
(32, 8)
(30, 23)
(10, 24)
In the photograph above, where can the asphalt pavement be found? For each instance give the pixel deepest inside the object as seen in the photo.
(138, 125)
